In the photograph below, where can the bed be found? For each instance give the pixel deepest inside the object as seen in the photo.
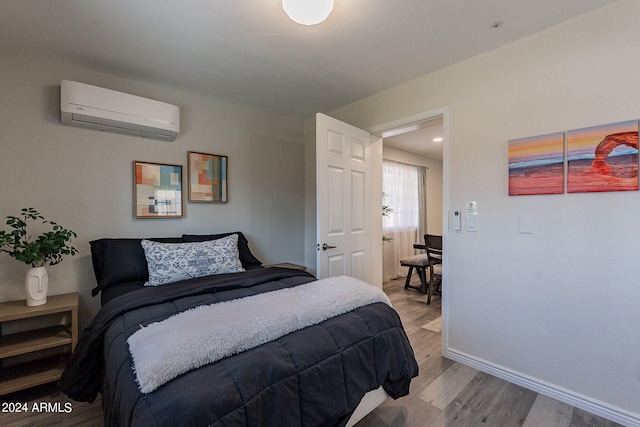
(315, 375)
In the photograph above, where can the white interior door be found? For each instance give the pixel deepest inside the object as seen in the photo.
(349, 215)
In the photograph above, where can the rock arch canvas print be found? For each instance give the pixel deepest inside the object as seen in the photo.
(603, 158)
(536, 165)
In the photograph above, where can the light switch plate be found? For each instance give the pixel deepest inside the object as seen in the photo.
(472, 223)
(525, 224)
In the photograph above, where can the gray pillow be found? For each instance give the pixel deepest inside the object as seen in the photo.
(172, 262)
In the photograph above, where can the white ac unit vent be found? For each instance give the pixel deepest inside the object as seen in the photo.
(105, 109)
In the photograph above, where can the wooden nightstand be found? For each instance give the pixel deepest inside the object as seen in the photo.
(61, 339)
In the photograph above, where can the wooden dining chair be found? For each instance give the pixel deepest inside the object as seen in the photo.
(420, 263)
(433, 244)
(433, 241)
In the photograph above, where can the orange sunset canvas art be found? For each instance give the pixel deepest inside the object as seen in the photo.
(536, 165)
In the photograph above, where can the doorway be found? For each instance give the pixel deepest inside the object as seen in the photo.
(412, 189)
(407, 125)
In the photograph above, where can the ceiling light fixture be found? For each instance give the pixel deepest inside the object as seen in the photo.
(437, 139)
(307, 12)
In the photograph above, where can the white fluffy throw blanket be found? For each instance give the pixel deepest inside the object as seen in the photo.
(163, 350)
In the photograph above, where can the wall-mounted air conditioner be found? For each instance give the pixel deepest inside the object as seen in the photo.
(104, 109)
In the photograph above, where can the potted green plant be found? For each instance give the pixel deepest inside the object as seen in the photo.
(46, 249)
(386, 211)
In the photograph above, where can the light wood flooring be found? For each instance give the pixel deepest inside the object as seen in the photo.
(445, 393)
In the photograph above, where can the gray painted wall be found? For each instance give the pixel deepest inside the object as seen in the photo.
(82, 178)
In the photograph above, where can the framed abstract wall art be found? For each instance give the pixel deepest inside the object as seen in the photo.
(157, 190)
(603, 158)
(207, 177)
(536, 165)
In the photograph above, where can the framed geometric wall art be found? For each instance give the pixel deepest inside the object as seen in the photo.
(603, 158)
(536, 165)
(207, 177)
(157, 190)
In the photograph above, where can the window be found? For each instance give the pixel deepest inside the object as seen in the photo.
(403, 190)
(400, 192)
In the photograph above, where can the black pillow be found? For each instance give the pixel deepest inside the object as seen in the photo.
(121, 260)
(246, 257)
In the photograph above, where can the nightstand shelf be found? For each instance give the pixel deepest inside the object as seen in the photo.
(31, 374)
(27, 342)
(35, 370)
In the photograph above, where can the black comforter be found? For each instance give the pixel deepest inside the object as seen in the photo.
(312, 377)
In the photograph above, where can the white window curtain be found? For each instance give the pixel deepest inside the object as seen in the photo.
(422, 202)
(404, 192)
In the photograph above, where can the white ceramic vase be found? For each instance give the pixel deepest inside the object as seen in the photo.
(37, 286)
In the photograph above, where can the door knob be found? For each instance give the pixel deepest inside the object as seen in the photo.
(325, 247)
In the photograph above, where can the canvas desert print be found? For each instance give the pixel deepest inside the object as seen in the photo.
(603, 158)
(536, 165)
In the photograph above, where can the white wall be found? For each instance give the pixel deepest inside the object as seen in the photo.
(556, 310)
(434, 183)
(82, 178)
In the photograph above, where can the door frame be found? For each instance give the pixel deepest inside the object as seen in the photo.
(446, 153)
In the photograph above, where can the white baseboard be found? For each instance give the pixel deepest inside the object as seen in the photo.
(593, 406)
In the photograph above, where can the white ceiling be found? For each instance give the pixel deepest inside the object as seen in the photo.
(249, 52)
(418, 138)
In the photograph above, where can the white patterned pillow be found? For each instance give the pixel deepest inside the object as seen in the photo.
(171, 262)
